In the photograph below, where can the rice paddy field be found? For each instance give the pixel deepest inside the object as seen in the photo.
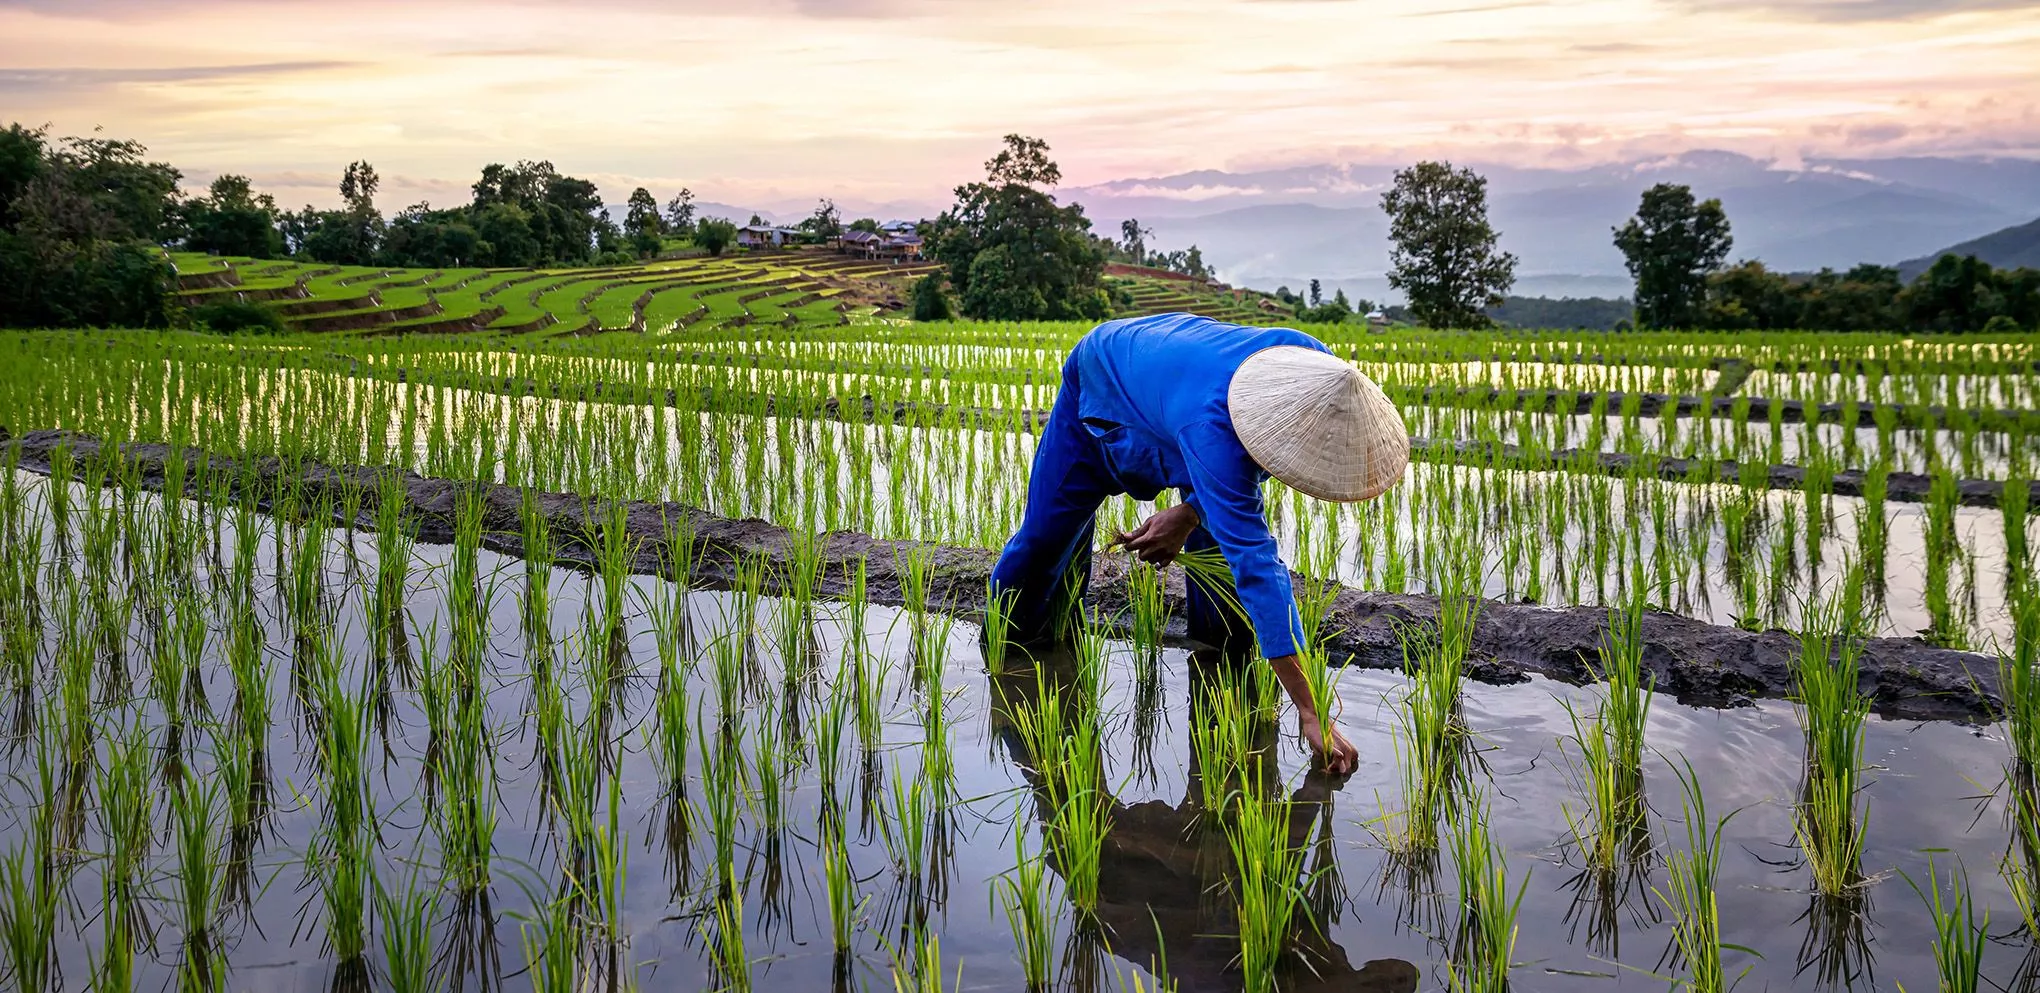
(661, 659)
(790, 289)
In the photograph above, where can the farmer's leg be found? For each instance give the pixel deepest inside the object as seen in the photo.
(1214, 615)
(1047, 564)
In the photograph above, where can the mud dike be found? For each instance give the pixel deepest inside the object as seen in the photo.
(1698, 663)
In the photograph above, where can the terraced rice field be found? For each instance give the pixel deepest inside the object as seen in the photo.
(663, 660)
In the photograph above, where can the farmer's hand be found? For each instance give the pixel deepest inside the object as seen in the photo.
(1160, 538)
(1337, 756)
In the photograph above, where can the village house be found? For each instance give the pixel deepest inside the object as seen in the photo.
(766, 236)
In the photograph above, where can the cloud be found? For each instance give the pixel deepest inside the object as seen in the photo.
(83, 78)
(1862, 10)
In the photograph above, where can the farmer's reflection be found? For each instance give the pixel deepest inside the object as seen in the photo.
(1162, 895)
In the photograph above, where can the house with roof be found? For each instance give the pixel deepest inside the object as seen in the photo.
(766, 236)
(880, 244)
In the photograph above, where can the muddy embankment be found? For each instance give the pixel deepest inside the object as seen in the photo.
(1699, 663)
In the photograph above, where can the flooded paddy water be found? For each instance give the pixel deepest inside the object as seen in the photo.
(271, 752)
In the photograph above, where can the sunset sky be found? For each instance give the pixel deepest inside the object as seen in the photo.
(762, 100)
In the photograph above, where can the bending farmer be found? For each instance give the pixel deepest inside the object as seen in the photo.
(1211, 410)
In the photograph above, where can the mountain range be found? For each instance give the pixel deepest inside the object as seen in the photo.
(1274, 227)
(1287, 226)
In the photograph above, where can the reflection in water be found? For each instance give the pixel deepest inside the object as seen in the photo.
(1164, 871)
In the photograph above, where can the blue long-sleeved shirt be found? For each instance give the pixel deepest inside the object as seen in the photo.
(1153, 392)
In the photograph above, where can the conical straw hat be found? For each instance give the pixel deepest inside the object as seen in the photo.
(1318, 425)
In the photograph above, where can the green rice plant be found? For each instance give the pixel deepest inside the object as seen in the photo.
(28, 916)
(1487, 913)
(407, 922)
(669, 736)
(193, 804)
(2019, 678)
(346, 882)
(722, 786)
(1144, 599)
(768, 771)
(1215, 724)
(920, 969)
(1689, 893)
(998, 628)
(1269, 887)
(615, 550)
(830, 733)
(840, 879)
(1832, 710)
(726, 937)
(1022, 893)
(906, 825)
(552, 949)
(798, 580)
(1959, 933)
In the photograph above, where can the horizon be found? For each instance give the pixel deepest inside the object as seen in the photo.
(876, 102)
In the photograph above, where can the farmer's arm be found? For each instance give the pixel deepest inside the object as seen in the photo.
(1227, 500)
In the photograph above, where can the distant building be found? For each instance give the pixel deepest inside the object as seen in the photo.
(766, 236)
(898, 227)
(883, 245)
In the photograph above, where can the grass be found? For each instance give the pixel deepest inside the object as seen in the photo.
(1486, 935)
(1022, 895)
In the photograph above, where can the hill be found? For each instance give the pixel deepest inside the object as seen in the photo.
(2010, 248)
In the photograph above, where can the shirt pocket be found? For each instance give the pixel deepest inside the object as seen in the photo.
(1131, 456)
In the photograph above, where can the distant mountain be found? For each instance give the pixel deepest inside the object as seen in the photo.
(1270, 227)
(2010, 248)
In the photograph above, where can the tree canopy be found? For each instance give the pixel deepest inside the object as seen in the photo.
(1444, 257)
(80, 223)
(1670, 246)
(1012, 252)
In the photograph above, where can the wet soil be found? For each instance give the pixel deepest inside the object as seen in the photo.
(1699, 663)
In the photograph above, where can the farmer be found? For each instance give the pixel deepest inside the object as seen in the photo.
(1212, 410)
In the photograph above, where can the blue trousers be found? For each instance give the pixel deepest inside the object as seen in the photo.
(1046, 566)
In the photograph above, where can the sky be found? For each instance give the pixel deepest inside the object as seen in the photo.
(870, 101)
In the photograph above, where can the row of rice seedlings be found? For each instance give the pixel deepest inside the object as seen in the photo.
(1432, 740)
(1062, 736)
(1832, 710)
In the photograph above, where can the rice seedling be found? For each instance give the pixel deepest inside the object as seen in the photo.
(1959, 933)
(552, 949)
(346, 882)
(997, 628)
(840, 880)
(919, 970)
(1022, 893)
(28, 916)
(1268, 885)
(193, 806)
(1832, 709)
(726, 937)
(1689, 893)
(407, 922)
(1486, 937)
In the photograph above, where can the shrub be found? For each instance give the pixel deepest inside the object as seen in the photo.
(237, 317)
(930, 302)
(2001, 324)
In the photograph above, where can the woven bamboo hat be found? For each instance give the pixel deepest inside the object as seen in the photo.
(1318, 425)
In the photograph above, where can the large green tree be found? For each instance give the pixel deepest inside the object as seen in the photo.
(1012, 252)
(232, 219)
(1670, 247)
(1444, 258)
(80, 226)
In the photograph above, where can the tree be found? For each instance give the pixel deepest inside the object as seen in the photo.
(826, 222)
(680, 213)
(931, 303)
(1012, 252)
(1317, 293)
(715, 234)
(1136, 238)
(643, 215)
(868, 225)
(233, 220)
(1444, 258)
(1670, 247)
(79, 229)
